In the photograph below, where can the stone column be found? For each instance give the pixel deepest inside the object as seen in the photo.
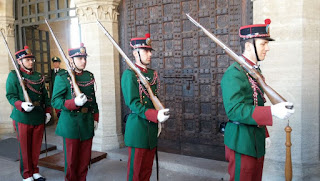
(292, 69)
(7, 28)
(103, 61)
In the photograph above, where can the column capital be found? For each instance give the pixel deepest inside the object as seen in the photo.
(103, 10)
(7, 26)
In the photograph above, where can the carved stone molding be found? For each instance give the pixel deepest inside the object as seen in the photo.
(90, 13)
(7, 26)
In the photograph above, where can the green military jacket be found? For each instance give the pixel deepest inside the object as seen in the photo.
(140, 132)
(37, 92)
(74, 122)
(246, 138)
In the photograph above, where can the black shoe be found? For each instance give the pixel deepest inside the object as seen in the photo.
(40, 179)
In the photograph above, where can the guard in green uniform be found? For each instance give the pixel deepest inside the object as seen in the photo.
(79, 116)
(28, 118)
(142, 124)
(56, 69)
(245, 133)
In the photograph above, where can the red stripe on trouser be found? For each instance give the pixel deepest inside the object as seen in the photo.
(30, 140)
(78, 159)
(142, 166)
(250, 170)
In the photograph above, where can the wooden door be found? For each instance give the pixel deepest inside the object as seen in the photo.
(189, 63)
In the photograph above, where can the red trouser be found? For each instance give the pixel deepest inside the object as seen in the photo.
(30, 140)
(243, 167)
(140, 163)
(77, 158)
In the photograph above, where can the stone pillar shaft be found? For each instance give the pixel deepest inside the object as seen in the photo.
(7, 28)
(292, 69)
(103, 61)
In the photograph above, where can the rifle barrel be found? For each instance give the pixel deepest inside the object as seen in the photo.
(65, 59)
(24, 90)
(273, 96)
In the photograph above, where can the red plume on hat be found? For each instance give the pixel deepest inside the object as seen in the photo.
(267, 21)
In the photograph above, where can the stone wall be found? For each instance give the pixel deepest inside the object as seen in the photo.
(292, 69)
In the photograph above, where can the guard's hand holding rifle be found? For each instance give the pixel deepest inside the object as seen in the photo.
(27, 106)
(282, 110)
(80, 100)
(163, 115)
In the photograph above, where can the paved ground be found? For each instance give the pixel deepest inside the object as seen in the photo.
(172, 167)
(105, 170)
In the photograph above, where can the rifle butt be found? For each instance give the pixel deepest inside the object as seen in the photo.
(288, 163)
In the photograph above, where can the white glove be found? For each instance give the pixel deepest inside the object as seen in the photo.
(268, 142)
(80, 100)
(95, 125)
(280, 111)
(161, 115)
(27, 106)
(48, 117)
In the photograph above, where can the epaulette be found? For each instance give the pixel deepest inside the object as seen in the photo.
(239, 67)
(62, 72)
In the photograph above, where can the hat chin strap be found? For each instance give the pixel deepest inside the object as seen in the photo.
(255, 49)
(24, 67)
(76, 66)
(140, 58)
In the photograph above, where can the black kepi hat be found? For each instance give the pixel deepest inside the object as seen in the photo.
(78, 52)
(24, 53)
(141, 42)
(256, 31)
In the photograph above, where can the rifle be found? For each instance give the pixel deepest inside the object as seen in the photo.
(66, 61)
(155, 101)
(20, 78)
(273, 96)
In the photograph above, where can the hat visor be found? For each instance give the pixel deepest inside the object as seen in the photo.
(144, 47)
(27, 56)
(149, 49)
(79, 55)
(267, 38)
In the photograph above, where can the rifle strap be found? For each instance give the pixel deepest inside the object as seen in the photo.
(157, 163)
